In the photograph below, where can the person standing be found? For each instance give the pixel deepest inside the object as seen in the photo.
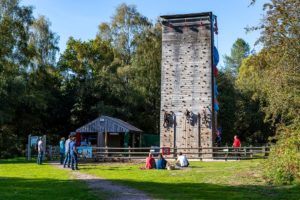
(236, 142)
(67, 152)
(62, 150)
(236, 146)
(73, 153)
(40, 151)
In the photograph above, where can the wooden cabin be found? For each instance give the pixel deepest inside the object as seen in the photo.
(109, 132)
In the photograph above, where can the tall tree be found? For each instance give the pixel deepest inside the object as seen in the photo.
(277, 85)
(239, 51)
(15, 22)
(146, 70)
(28, 94)
(227, 98)
(123, 32)
(126, 24)
(232, 103)
(85, 67)
(43, 42)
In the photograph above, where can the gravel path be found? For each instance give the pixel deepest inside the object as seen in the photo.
(118, 192)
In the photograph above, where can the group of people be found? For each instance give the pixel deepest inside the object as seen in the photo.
(68, 152)
(161, 162)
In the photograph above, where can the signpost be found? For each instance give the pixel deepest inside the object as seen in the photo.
(166, 151)
(32, 143)
(85, 152)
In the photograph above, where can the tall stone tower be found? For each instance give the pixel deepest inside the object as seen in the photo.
(187, 116)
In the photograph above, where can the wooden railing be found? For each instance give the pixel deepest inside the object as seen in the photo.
(216, 153)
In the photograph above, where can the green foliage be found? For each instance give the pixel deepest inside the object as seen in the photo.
(126, 24)
(274, 80)
(85, 67)
(283, 165)
(43, 42)
(227, 99)
(29, 83)
(251, 119)
(240, 50)
(240, 113)
(146, 70)
(117, 73)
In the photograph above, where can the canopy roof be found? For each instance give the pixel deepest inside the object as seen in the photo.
(108, 124)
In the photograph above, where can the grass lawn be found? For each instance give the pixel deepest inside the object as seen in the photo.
(20, 179)
(203, 180)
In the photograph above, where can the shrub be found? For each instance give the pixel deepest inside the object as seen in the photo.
(283, 164)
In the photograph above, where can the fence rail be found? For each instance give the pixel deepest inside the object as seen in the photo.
(120, 153)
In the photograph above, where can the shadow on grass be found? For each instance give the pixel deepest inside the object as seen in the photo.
(213, 191)
(12, 188)
(19, 160)
(18, 188)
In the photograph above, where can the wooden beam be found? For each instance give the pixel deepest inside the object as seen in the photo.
(105, 139)
(98, 139)
(133, 139)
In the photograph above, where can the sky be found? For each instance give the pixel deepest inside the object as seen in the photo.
(80, 18)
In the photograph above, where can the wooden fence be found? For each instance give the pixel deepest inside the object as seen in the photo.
(216, 153)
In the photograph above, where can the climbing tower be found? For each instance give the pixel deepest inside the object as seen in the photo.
(188, 96)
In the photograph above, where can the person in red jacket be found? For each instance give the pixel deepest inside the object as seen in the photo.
(236, 145)
(236, 142)
(150, 162)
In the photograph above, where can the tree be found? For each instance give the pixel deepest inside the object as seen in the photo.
(240, 50)
(87, 83)
(250, 118)
(117, 73)
(147, 73)
(277, 85)
(134, 39)
(15, 22)
(29, 81)
(240, 105)
(43, 42)
(126, 24)
(227, 98)
(232, 103)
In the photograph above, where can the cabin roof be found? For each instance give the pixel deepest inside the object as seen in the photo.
(107, 124)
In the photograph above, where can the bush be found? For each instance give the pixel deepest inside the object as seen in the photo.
(283, 164)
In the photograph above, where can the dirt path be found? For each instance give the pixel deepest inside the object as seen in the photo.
(117, 192)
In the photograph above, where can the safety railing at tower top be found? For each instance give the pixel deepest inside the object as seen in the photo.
(202, 153)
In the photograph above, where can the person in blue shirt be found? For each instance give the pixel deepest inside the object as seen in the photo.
(73, 153)
(62, 150)
(161, 163)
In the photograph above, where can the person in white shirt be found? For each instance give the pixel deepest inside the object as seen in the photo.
(40, 151)
(182, 161)
(67, 152)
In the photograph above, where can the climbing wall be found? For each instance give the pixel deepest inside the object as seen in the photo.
(187, 82)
